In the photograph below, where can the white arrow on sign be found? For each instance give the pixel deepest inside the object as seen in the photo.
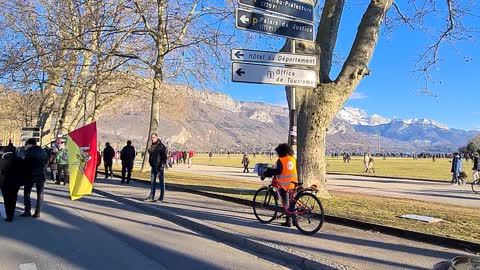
(244, 19)
(273, 57)
(264, 74)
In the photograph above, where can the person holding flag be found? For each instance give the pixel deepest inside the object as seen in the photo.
(82, 160)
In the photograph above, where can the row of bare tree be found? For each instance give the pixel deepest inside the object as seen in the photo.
(76, 57)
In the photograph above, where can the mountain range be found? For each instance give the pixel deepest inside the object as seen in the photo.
(205, 121)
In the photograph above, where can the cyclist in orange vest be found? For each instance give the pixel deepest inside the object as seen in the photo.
(286, 173)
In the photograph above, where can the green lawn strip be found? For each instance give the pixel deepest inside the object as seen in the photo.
(390, 167)
(459, 222)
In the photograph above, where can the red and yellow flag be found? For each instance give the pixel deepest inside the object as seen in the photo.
(82, 159)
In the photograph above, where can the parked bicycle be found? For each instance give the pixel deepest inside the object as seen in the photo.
(308, 210)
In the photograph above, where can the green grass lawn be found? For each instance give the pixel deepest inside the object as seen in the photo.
(459, 222)
(393, 167)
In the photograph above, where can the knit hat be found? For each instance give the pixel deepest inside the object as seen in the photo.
(31, 141)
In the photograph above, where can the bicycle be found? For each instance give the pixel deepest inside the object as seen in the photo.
(308, 210)
(476, 186)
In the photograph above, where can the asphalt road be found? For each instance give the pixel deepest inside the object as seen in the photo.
(343, 245)
(380, 186)
(99, 233)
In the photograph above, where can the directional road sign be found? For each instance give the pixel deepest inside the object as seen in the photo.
(292, 8)
(273, 25)
(30, 132)
(273, 57)
(264, 74)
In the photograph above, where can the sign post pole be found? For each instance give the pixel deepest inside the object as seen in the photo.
(292, 130)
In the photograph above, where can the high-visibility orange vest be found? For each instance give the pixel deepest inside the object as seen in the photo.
(289, 172)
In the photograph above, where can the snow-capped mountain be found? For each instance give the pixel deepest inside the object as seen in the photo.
(355, 116)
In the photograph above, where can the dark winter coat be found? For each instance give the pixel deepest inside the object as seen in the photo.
(127, 155)
(476, 165)
(108, 154)
(12, 171)
(158, 154)
(36, 160)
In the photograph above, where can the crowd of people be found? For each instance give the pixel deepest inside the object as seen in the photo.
(25, 168)
(28, 166)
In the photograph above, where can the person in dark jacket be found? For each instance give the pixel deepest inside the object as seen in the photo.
(127, 155)
(12, 176)
(157, 160)
(108, 155)
(36, 160)
(476, 167)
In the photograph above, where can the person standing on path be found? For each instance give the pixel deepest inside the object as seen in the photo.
(456, 169)
(62, 165)
(36, 160)
(245, 162)
(52, 162)
(157, 159)
(108, 155)
(127, 155)
(476, 167)
(190, 158)
(12, 176)
(366, 161)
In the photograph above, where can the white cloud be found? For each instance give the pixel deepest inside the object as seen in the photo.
(358, 95)
(476, 113)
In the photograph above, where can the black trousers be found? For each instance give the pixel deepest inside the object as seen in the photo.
(27, 190)
(10, 193)
(63, 171)
(127, 169)
(108, 167)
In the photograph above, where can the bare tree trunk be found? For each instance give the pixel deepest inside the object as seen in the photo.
(154, 115)
(318, 106)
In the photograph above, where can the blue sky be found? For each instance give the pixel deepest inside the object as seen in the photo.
(392, 88)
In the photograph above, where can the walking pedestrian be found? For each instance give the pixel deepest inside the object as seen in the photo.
(127, 155)
(12, 176)
(62, 165)
(245, 162)
(52, 162)
(476, 167)
(456, 169)
(36, 161)
(108, 155)
(99, 161)
(184, 157)
(190, 158)
(366, 161)
(157, 160)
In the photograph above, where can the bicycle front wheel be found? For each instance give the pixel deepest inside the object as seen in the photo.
(476, 186)
(265, 205)
(309, 213)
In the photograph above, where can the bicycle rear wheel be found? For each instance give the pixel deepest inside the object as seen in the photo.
(476, 186)
(310, 214)
(265, 205)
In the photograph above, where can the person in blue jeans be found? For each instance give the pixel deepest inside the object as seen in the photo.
(157, 159)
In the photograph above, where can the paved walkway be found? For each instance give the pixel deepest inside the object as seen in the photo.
(98, 233)
(334, 243)
(379, 186)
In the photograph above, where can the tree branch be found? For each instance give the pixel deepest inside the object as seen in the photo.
(327, 35)
(356, 65)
